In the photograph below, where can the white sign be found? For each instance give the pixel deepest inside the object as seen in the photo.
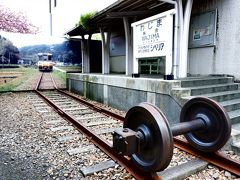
(153, 36)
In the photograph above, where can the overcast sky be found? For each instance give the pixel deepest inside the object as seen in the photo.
(65, 16)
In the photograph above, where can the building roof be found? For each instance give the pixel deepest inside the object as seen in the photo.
(112, 15)
(79, 30)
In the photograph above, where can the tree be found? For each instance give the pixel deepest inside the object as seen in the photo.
(15, 22)
(8, 51)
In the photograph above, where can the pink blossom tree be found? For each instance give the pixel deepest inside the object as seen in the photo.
(16, 22)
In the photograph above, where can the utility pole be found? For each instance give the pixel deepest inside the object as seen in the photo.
(9, 57)
(50, 14)
(2, 60)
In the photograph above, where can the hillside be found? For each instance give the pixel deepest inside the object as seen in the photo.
(67, 52)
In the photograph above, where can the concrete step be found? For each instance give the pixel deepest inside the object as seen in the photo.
(219, 97)
(236, 148)
(194, 82)
(231, 105)
(200, 90)
(224, 96)
(235, 133)
(234, 116)
(235, 138)
(223, 91)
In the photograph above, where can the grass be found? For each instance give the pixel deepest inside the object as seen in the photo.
(59, 75)
(70, 68)
(10, 69)
(11, 85)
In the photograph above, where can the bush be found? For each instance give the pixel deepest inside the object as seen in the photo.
(85, 20)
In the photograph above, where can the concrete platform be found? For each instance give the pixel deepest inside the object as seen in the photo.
(123, 92)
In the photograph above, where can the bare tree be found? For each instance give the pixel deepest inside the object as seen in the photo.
(11, 21)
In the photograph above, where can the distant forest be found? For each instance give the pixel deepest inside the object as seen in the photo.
(67, 52)
(9, 54)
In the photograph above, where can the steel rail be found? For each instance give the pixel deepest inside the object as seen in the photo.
(38, 82)
(218, 159)
(94, 106)
(53, 81)
(100, 142)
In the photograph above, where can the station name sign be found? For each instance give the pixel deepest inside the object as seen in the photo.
(152, 37)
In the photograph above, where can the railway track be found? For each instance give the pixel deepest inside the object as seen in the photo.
(97, 124)
(46, 82)
(86, 118)
(76, 145)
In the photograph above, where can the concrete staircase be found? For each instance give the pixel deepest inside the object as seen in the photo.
(219, 88)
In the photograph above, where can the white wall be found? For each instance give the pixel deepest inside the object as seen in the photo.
(201, 60)
(225, 59)
(117, 64)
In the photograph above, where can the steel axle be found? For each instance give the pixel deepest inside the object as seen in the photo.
(191, 126)
(148, 138)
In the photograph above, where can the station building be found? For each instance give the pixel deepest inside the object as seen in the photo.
(163, 52)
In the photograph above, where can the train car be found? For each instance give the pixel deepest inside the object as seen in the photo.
(45, 62)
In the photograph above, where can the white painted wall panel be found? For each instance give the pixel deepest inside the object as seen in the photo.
(225, 59)
(201, 60)
(117, 64)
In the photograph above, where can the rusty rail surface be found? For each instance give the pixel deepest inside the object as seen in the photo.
(38, 82)
(218, 159)
(98, 141)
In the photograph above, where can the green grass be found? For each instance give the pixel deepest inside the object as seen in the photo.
(10, 69)
(59, 75)
(70, 68)
(11, 85)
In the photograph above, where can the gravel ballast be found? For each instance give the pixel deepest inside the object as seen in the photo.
(30, 149)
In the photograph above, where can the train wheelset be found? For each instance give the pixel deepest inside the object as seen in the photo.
(147, 137)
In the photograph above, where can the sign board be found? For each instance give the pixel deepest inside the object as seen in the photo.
(117, 46)
(203, 29)
(153, 37)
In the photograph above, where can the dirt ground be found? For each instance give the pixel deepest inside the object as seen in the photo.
(6, 77)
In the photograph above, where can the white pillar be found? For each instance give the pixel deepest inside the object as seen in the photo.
(88, 52)
(169, 58)
(83, 55)
(135, 60)
(175, 65)
(85, 44)
(129, 47)
(180, 32)
(184, 40)
(105, 51)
